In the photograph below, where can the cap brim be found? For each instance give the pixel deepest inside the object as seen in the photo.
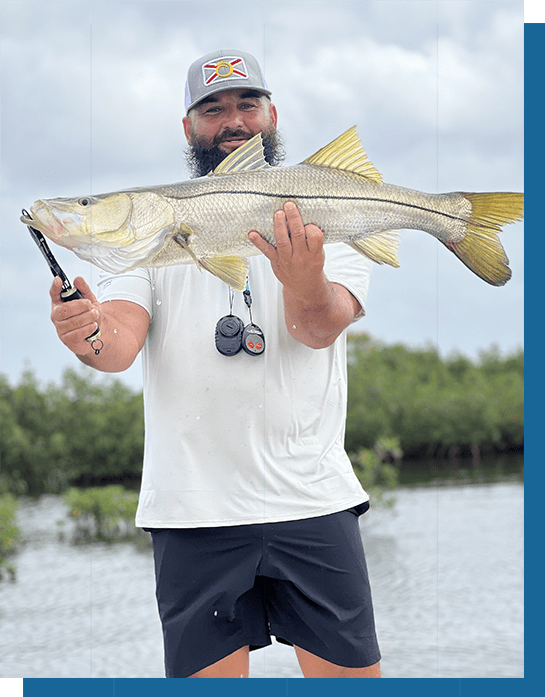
(231, 86)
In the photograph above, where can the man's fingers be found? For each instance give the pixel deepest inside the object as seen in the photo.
(294, 223)
(73, 315)
(55, 290)
(76, 336)
(264, 247)
(74, 329)
(79, 282)
(315, 239)
(295, 242)
(74, 320)
(82, 285)
(294, 232)
(282, 232)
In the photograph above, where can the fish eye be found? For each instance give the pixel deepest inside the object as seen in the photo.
(84, 202)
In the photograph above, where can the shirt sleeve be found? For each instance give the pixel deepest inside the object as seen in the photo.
(346, 267)
(134, 286)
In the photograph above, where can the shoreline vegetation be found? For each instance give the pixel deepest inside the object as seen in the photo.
(84, 438)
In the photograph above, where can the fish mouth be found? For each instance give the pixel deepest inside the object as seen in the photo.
(39, 218)
(26, 218)
(42, 218)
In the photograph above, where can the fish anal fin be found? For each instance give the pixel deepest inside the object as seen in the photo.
(249, 157)
(232, 270)
(346, 153)
(380, 247)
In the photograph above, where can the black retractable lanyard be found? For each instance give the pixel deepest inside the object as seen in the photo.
(68, 292)
(231, 334)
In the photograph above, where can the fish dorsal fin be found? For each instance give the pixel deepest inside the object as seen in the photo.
(346, 152)
(247, 158)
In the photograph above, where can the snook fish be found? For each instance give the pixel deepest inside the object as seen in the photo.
(206, 221)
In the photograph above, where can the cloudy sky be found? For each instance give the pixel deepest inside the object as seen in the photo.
(92, 98)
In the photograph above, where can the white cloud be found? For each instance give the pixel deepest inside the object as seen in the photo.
(92, 98)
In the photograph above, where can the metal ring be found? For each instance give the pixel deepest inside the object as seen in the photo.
(95, 348)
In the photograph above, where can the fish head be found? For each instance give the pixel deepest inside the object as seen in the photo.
(73, 221)
(112, 231)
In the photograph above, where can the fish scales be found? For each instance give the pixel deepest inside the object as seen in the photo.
(222, 210)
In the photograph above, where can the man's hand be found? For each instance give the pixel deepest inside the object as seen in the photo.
(298, 259)
(315, 310)
(77, 319)
(123, 327)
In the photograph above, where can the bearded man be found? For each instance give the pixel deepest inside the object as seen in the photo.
(248, 494)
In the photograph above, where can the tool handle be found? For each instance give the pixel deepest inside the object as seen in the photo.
(69, 293)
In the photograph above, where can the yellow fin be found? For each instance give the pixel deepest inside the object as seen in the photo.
(249, 157)
(232, 270)
(481, 250)
(346, 152)
(494, 210)
(380, 247)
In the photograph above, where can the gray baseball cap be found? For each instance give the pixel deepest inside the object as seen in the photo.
(222, 70)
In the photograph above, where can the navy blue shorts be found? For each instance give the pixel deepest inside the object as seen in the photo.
(304, 582)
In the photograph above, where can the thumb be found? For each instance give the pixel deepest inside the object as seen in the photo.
(83, 287)
(55, 290)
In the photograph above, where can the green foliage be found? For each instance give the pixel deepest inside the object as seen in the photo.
(10, 535)
(89, 430)
(434, 406)
(378, 469)
(81, 432)
(102, 513)
(103, 427)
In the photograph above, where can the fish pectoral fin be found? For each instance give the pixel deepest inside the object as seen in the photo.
(249, 157)
(181, 238)
(232, 270)
(346, 152)
(380, 247)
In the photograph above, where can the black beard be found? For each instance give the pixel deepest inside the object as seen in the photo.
(201, 160)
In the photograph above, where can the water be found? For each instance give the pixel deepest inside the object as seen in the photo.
(446, 567)
(447, 578)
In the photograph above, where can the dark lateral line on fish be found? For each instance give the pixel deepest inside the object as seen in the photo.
(308, 197)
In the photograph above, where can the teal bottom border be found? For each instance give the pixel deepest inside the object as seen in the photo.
(111, 687)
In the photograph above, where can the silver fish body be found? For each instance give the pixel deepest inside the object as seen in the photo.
(206, 221)
(221, 211)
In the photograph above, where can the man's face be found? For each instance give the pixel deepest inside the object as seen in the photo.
(223, 122)
(228, 119)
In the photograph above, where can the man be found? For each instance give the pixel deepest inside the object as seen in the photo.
(247, 491)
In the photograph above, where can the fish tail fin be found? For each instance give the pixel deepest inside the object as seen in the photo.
(481, 250)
